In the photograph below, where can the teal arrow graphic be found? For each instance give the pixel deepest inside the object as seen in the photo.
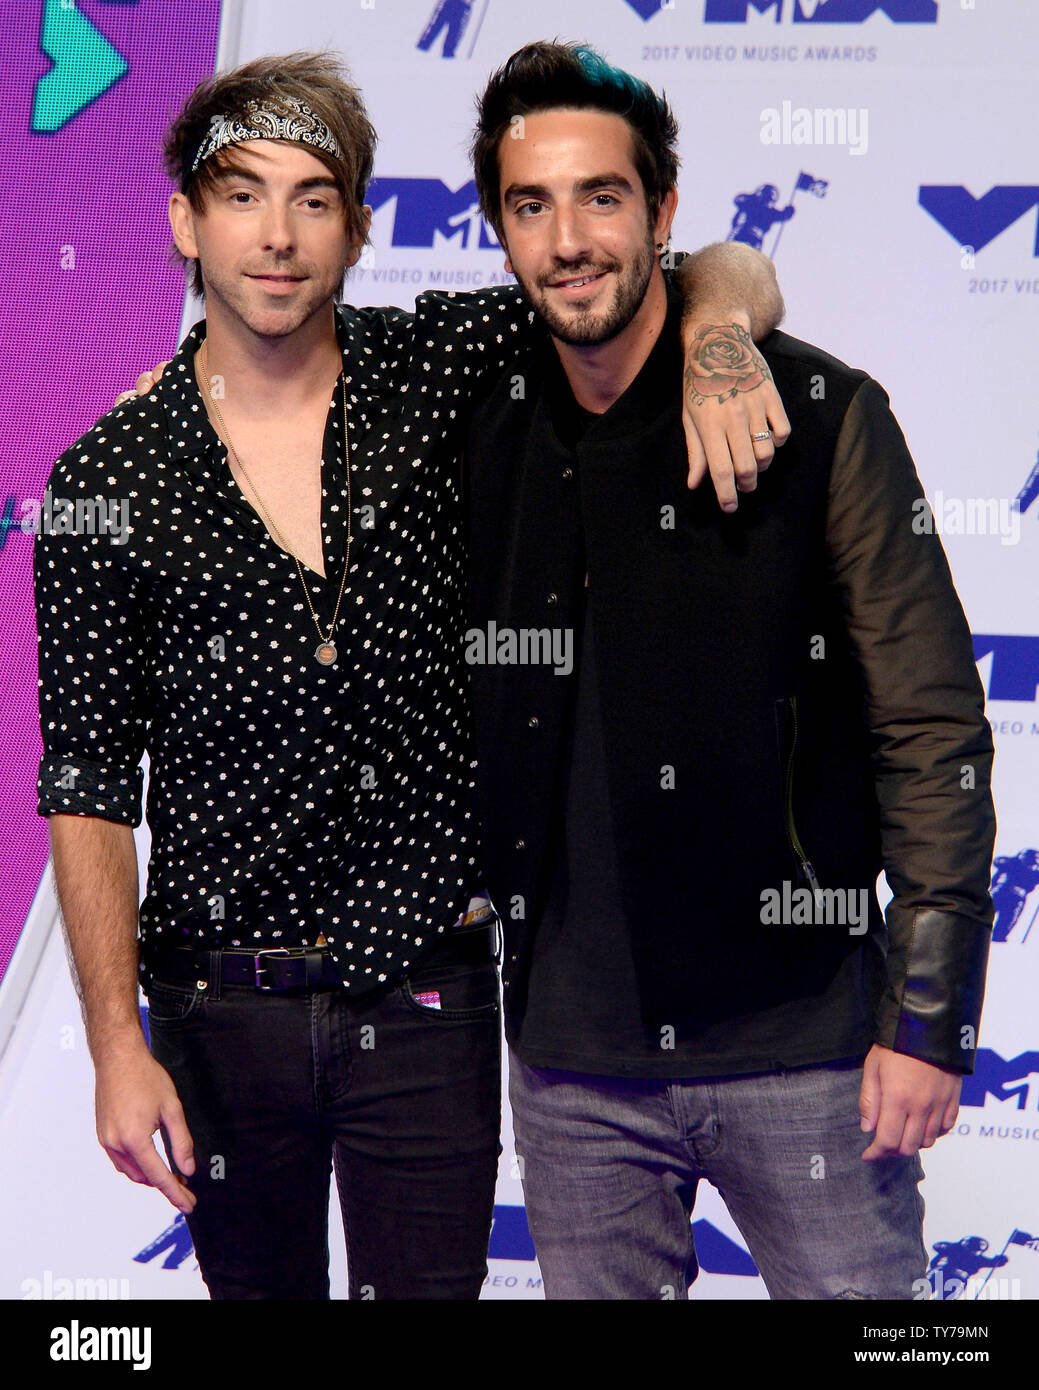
(85, 65)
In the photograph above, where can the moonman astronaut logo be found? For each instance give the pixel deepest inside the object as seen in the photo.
(1014, 878)
(757, 213)
(451, 18)
(962, 1269)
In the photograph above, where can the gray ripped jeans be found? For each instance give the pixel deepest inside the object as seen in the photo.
(611, 1167)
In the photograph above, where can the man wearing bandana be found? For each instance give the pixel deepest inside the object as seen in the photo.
(281, 633)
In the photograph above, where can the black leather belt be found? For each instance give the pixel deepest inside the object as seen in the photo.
(278, 968)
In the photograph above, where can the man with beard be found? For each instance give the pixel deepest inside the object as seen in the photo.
(684, 827)
(281, 633)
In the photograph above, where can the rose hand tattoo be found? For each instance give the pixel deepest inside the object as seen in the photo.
(724, 361)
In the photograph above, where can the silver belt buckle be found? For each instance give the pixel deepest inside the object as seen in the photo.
(259, 969)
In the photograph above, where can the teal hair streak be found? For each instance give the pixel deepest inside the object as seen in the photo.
(603, 74)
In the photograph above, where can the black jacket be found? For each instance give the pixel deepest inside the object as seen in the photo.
(788, 695)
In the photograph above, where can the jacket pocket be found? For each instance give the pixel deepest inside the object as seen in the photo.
(786, 730)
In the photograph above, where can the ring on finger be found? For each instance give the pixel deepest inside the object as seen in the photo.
(759, 437)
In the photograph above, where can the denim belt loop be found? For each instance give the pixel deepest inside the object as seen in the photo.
(213, 966)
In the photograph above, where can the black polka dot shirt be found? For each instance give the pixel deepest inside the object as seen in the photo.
(285, 798)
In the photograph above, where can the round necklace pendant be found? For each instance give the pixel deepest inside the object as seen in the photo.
(326, 653)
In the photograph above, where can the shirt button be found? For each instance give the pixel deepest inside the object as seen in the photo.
(552, 598)
(521, 844)
(533, 721)
(568, 473)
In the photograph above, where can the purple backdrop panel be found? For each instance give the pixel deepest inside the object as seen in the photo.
(91, 297)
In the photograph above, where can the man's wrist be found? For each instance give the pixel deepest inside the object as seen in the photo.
(115, 1039)
(697, 316)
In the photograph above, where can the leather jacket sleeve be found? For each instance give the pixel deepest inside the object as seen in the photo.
(932, 742)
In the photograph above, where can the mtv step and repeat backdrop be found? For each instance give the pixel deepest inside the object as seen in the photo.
(882, 151)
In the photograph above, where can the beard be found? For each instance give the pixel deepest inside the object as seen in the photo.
(581, 325)
(278, 317)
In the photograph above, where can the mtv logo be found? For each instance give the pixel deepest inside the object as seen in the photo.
(1016, 1080)
(425, 207)
(1015, 666)
(823, 11)
(977, 221)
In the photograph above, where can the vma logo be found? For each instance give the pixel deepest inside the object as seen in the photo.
(427, 207)
(814, 11)
(1015, 666)
(174, 1243)
(974, 222)
(510, 1235)
(716, 1253)
(1014, 1084)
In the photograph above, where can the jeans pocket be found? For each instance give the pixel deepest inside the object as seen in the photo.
(173, 1005)
(452, 992)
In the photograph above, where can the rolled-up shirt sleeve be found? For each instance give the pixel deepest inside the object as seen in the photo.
(93, 654)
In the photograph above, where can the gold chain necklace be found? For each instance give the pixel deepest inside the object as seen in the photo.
(326, 651)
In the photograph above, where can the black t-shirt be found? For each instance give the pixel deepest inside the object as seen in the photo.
(583, 1011)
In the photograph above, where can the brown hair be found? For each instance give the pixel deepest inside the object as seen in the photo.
(319, 80)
